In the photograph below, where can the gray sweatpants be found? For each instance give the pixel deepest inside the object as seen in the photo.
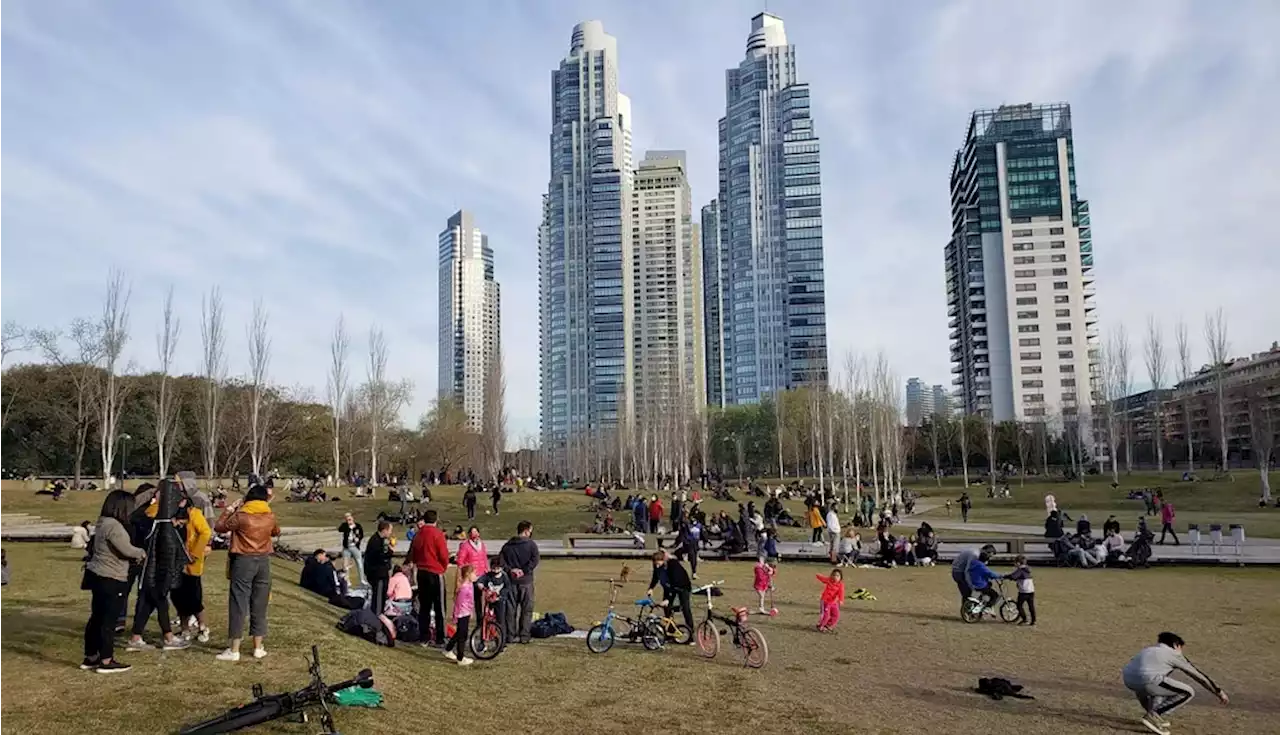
(520, 613)
(1164, 696)
(250, 588)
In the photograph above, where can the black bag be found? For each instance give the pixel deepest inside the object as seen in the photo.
(549, 625)
(366, 625)
(407, 628)
(998, 689)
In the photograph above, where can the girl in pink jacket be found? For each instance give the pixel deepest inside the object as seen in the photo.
(472, 551)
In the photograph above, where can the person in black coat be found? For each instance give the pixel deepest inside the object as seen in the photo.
(677, 588)
(469, 502)
(377, 566)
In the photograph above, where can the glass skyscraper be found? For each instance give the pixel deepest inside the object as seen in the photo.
(469, 316)
(767, 330)
(584, 263)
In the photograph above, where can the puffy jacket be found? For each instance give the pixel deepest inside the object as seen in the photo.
(475, 555)
(251, 526)
(198, 536)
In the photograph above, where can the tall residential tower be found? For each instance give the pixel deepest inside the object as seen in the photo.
(1020, 269)
(767, 329)
(469, 326)
(584, 251)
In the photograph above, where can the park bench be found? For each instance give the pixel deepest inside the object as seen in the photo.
(1005, 545)
(571, 540)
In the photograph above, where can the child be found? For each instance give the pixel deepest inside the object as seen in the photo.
(494, 589)
(832, 596)
(769, 549)
(464, 603)
(764, 581)
(850, 547)
(1026, 590)
(1149, 676)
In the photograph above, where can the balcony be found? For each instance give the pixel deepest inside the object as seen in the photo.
(979, 310)
(957, 368)
(955, 322)
(955, 334)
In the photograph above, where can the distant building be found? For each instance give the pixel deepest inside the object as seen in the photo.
(1251, 389)
(469, 316)
(942, 401)
(919, 402)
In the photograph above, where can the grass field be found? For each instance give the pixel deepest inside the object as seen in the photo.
(902, 664)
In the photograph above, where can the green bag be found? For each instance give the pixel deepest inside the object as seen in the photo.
(357, 697)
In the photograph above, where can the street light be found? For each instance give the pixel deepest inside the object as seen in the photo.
(124, 457)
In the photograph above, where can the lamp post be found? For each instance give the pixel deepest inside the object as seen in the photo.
(124, 457)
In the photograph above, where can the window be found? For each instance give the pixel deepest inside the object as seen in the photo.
(1028, 328)
(1061, 299)
(1066, 368)
(1033, 384)
(1031, 273)
(1020, 220)
(1058, 258)
(1024, 259)
(1029, 342)
(1031, 370)
(1068, 382)
(1024, 233)
(1027, 301)
(1033, 398)
(1062, 313)
(1029, 355)
(1028, 315)
(1055, 230)
(1034, 412)
(1064, 340)
(1064, 326)
(1060, 286)
(1024, 246)
(1024, 287)
(1066, 354)
(1057, 244)
(1059, 271)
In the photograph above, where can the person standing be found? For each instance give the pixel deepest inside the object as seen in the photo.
(352, 536)
(377, 566)
(655, 513)
(1026, 590)
(107, 577)
(469, 502)
(640, 513)
(520, 558)
(188, 599)
(496, 496)
(1166, 520)
(430, 554)
(816, 524)
(252, 526)
(471, 552)
(833, 531)
(676, 587)
(1149, 675)
(965, 504)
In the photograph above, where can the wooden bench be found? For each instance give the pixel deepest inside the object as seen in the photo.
(1011, 545)
(571, 539)
(654, 540)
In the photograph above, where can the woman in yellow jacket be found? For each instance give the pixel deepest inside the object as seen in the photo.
(188, 598)
(816, 523)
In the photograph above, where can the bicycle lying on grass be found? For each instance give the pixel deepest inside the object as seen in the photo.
(316, 695)
(975, 608)
(749, 642)
(604, 634)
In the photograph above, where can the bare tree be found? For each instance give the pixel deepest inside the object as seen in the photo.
(964, 438)
(1025, 439)
(339, 380)
(493, 432)
(213, 340)
(165, 404)
(1108, 382)
(1155, 359)
(1123, 377)
(989, 422)
(1215, 338)
(1262, 433)
(383, 398)
(259, 363)
(1183, 344)
(113, 391)
(935, 428)
(81, 361)
(14, 339)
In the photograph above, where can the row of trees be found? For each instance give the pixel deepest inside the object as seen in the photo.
(222, 424)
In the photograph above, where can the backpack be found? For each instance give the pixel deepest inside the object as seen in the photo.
(549, 625)
(373, 628)
(407, 629)
(1000, 688)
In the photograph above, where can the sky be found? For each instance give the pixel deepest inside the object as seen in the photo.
(308, 153)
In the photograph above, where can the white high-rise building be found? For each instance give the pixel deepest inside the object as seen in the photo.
(584, 256)
(919, 402)
(670, 383)
(469, 327)
(1019, 267)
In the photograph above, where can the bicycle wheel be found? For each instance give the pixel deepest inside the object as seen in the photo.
(755, 651)
(237, 719)
(1008, 611)
(600, 639)
(708, 637)
(651, 635)
(487, 641)
(680, 634)
(970, 612)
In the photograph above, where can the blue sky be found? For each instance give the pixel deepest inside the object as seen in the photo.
(308, 153)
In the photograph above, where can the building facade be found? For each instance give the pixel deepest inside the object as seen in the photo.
(669, 379)
(919, 402)
(713, 277)
(941, 401)
(469, 314)
(584, 263)
(1251, 399)
(771, 326)
(1019, 269)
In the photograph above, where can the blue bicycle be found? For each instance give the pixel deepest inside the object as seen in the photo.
(604, 634)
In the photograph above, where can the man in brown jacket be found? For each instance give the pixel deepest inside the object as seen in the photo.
(252, 526)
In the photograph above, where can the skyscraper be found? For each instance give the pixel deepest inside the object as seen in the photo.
(713, 277)
(772, 317)
(919, 402)
(1020, 269)
(584, 250)
(669, 382)
(941, 401)
(469, 327)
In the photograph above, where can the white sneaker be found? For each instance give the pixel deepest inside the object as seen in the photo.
(1154, 725)
(228, 655)
(203, 636)
(764, 611)
(259, 652)
(451, 655)
(138, 645)
(464, 661)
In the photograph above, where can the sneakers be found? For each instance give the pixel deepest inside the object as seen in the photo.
(228, 655)
(177, 643)
(138, 645)
(259, 653)
(88, 664)
(113, 667)
(763, 611)
(203, 636)
(451, 655)
(464, 661)
(1155, 724)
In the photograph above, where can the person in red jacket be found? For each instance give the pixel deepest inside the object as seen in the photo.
(832, 596)
(655, 513)
(430, 554)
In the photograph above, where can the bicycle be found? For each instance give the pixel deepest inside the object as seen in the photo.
(488, 639)
(667, 628)
(602, 635)
(749, 641)
(273, 707)
(974, 608)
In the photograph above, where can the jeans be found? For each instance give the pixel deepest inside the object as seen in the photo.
(471, 511)
(353, 553)
(378, 595)
(109, 598)
(816, 536)
(1168, 528)
(520, 613)
(152, 600)
(431, 602)
(1029, 600)
(250, 590)
(683, 599)
(458, 642)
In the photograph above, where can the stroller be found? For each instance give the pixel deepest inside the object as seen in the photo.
(1139, 551)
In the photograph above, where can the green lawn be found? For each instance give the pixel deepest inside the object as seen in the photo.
(902, 664)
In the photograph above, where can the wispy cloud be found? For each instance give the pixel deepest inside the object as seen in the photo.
(308, 153)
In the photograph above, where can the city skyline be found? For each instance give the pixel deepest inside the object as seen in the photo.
(470, 316)
(306, 149)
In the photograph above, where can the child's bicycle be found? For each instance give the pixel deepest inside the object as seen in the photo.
(488, 639)
(974, 608)
(604, 634)
(667, 629)
(749, 641)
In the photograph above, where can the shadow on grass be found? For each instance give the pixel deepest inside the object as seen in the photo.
(958, 698)
(39, 635)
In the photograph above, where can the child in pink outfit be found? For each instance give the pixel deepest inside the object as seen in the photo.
(764, 581)
(464, 605)
(832, 596)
